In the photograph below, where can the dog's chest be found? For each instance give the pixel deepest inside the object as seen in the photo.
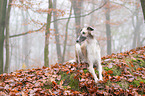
(93, 50)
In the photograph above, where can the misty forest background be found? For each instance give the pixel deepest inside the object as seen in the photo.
(36, 33)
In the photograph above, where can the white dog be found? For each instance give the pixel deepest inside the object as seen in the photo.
(88, 50)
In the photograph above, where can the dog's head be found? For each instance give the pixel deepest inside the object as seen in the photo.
(84, 34)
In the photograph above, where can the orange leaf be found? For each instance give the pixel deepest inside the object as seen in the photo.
(110, 72)
(141, 82)
(67, 72)
(54, 82)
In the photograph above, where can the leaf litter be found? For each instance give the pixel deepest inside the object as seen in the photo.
(123, 74)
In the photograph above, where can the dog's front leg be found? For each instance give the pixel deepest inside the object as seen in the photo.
(92, 71)
(100, 71)
(78, 53)
(99, 67)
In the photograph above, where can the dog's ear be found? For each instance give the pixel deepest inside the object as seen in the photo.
(90, 29)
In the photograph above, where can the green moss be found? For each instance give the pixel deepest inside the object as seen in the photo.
(137, 63)
(74, 83)
(47, 85)
(124, 84)
(133, 60)
(109, 83)
(128, 60)
(85, 71)
(136, 83)
(65, 78)
(116, 70)
(69, 80)
(107, 69)
(141, 62)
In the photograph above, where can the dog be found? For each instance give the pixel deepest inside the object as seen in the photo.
(87, 49)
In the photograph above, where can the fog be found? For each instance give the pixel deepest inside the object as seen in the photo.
(27, 51)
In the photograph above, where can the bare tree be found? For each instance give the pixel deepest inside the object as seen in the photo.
(143, 7)
(77, 4)
(7, 36)
(58, 48)
(25, 43)
(108, 28)
(47, 34)
(3, 6)
(136, 25)
(66, 34)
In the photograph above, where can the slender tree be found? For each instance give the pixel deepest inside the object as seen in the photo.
(143, 7)
(77, 4)
(66, 34)
(108, 28)
(47, 34)
(25, 43)
(92, 19)
(137, 25)
(58, 48)
(3, 6)
(7, 36)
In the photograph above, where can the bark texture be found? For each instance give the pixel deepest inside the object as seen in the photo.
(143, 7)
(108, 28)
(47, 34)
(3, 5)
(7, 64)
(58, 47)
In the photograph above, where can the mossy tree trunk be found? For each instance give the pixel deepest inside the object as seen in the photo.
(7, 37)
(3, 6)
(143, 7)
(47, 34)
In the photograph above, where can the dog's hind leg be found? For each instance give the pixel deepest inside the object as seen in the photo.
(92, 71)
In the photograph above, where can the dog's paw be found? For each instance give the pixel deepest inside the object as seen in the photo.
(96, 80)
(101, 79)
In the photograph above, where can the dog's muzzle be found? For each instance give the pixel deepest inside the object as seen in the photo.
(77, 41)
(80, 39)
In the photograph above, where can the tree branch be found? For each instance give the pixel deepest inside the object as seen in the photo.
(21, 34)
(82, 15)
(123, 6)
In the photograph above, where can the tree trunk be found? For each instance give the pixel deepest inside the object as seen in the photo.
(136, 33)
(3, 5)
(58, 48)
(108, 28)
(143, 7)
(66, 32)
(92, 19)
(77, 4)
(7, 64)
(25, 41)
(47, 34)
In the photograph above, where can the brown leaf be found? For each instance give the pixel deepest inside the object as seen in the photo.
(110, 72)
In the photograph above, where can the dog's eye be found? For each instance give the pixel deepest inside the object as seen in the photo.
(83, 33)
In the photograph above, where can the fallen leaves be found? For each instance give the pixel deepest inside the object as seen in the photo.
(123, 74)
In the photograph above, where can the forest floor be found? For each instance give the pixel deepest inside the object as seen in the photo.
(123, 74)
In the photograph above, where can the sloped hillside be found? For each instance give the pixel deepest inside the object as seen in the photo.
(123, 74)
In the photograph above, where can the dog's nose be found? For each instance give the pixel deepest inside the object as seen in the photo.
(77, 41)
